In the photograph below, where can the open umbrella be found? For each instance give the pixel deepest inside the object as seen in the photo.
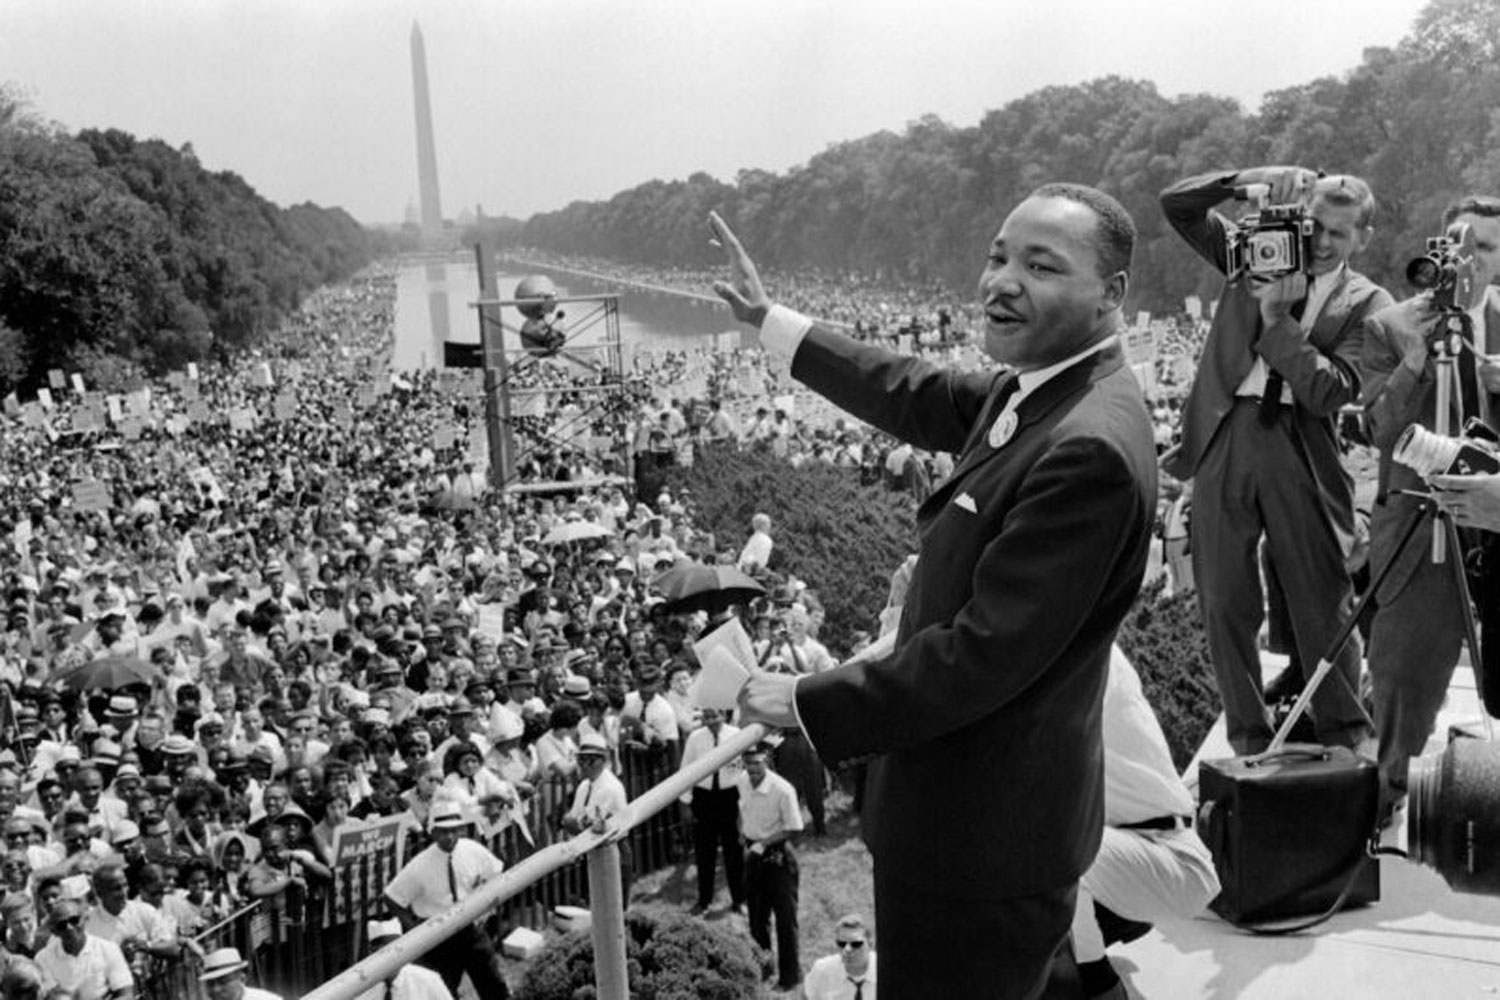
(575, 531)
(108, 672)
(690, 586)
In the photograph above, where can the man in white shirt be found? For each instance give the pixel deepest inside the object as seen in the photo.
(1151, 864)
(715, 806)
(599, 795)
(134, 925)
(850, 973)
(411, 982)
(445, 873)
(757, 551)
(223, 977)
(769, 819)
(84, 966)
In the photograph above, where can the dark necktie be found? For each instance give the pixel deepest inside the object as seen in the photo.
(452, 879)
(1270, 399)
(715, 785)
(859, 988)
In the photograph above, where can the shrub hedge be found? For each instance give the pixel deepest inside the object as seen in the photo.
(842, 538)
(668, 956)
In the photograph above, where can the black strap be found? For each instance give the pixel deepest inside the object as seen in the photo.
(1168, 822)
(1357, 869)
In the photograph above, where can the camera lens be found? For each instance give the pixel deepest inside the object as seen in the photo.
(1423, 272)
(1452, 823)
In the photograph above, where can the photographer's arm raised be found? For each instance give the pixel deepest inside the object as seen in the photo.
(1188, 204)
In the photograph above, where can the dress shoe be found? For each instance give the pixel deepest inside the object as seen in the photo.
(1285, 686)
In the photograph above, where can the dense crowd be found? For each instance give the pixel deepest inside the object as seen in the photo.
(249, 607)
(246, 608)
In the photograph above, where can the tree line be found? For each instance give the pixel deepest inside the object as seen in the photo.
(1417, 120)
(121, 254)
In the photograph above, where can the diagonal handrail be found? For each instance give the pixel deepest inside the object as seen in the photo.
(432, 932)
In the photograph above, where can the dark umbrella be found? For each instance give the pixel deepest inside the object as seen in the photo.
(690, 586)
(108, 672)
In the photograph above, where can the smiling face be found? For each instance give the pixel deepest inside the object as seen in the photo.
(1043, 295)
(1339, 232)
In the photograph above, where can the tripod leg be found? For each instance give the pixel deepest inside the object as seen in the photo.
(1325, 662)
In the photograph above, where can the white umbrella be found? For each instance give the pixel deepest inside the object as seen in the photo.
(575, 531)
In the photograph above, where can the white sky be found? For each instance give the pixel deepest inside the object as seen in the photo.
(540, 102)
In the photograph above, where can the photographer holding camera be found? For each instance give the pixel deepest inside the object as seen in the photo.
(1418, 625)
(1258, 431)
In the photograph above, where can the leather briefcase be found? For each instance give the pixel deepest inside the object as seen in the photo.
(1288, 829)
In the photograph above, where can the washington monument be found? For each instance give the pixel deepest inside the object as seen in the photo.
(432, 209)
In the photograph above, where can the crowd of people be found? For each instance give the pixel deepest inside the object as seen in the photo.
(252, 607)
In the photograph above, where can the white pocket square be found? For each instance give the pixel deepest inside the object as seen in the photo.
(967, 503)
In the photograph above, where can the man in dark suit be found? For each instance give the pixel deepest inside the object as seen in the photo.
(1418, 625)
(985, 803)
(1259, 439)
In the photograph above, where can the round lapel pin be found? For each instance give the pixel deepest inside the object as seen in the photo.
(1003, 429)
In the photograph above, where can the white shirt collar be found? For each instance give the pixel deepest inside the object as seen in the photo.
(1032, 380)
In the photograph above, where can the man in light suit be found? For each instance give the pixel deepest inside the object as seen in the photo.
(1259, 440)
(985, 803)
(1418, 625)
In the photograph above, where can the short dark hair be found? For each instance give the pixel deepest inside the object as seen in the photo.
(1481, 205)
(1116, 230)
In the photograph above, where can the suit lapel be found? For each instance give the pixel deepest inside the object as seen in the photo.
(1031, 409)
(1330, 319)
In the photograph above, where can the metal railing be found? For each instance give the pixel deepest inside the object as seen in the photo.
(606, 902)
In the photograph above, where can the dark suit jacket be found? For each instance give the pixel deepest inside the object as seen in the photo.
(1394, 399)
(1321, 368)
(988, 712)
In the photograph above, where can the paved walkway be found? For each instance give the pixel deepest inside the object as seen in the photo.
(1421, 940)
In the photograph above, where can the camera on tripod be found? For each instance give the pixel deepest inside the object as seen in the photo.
(1446, 269)
(1429, 454)
(1272, 241)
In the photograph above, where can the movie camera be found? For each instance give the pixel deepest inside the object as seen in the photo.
(1271, 241)
(1446, 270)
(1431, 454)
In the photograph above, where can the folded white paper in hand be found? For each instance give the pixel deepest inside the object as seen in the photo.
(727, 657)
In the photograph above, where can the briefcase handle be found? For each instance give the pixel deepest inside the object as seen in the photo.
(1290, 751)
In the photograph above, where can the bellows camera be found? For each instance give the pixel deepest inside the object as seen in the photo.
(1447, 268)
(1272, 241)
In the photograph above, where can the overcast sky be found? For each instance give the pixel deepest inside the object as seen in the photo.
(540, 102)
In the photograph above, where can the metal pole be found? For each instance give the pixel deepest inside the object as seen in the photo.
(496, 373)
(607, 903)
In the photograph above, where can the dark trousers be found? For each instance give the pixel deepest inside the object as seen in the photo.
(771, 890)
(1254, 481)
(1414, 641)
(796, 762)
(716, 827)
(471, 951)
(934, 947)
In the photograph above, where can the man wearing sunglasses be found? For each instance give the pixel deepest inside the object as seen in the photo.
(76, 962)
(848, 975)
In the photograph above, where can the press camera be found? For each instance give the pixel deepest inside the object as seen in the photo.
(1272, 241)
(1447, 268)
